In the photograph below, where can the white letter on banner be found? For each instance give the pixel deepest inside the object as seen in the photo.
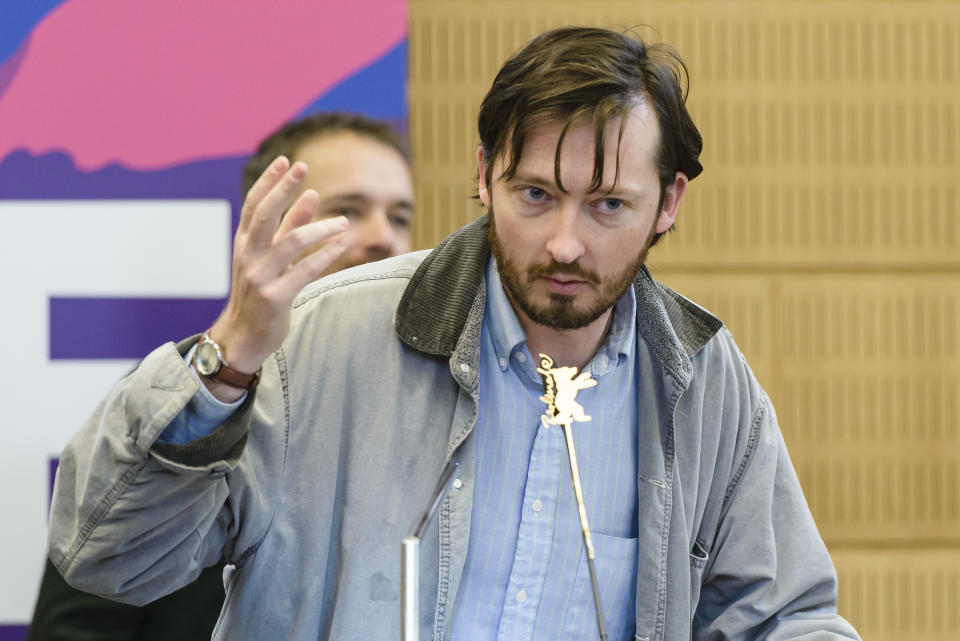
(78, 248)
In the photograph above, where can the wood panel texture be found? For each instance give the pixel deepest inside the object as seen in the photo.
(825, 231)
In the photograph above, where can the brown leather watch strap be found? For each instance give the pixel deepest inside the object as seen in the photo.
(217, 369)
(233, 378)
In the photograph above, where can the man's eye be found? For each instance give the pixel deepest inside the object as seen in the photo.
(610, 205)
(400, 221)
(534, 194)
(349, 212)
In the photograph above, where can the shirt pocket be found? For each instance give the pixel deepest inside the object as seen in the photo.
(616, 566)
(698, 561)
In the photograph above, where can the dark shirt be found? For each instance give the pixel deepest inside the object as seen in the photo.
(64, 613)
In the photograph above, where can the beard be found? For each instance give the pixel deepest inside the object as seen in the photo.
(561, 311)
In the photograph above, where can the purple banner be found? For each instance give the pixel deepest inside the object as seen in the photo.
(13, 632)
(91, 328)
(52, 466)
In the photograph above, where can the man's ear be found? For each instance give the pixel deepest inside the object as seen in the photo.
(671, 202)
(483, 190)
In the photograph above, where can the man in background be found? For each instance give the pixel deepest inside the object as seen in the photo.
(360, 169)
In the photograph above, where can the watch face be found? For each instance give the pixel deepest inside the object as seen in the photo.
(208, 358)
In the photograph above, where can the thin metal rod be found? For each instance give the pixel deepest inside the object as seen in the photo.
(410, 590)
(584, 526)
(410, 556)
(419, 527)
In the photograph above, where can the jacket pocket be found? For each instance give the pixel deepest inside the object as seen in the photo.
(616, 566)
(698, 561)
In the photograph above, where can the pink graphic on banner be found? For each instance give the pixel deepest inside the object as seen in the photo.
(9, 68)
(154, 84)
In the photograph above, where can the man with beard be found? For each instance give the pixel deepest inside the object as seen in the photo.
(333, 419)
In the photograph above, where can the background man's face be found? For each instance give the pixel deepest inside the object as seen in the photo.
(371, 184)
(565, 258)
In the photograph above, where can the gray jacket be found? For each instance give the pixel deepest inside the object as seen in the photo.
(309, 488)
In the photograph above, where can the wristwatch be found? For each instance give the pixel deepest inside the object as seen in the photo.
(209, 363)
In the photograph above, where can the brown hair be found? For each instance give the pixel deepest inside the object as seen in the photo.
(577, 73)
(286, 140)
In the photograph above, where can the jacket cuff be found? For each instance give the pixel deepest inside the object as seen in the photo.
(225, 444)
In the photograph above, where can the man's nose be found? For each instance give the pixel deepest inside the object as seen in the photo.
(564, 243)
(379, 234)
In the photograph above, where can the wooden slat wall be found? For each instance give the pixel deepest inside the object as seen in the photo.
(825, 231)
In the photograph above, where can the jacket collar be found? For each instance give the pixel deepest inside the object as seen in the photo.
(437, 301)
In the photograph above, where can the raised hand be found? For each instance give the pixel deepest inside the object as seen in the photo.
(270, 267)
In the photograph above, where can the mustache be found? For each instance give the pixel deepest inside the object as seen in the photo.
(567, 269)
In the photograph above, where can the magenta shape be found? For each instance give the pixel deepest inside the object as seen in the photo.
(157, 83)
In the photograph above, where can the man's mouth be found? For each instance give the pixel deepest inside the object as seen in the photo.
(560, 284)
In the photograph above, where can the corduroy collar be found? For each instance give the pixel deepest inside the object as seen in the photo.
(438, 299)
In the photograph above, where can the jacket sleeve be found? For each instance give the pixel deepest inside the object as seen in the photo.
(133, 520)
(769, 575)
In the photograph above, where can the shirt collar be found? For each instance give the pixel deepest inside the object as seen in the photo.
(508, 336)
(505, 329)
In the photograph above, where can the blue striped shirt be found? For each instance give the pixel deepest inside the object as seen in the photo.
(525, 575)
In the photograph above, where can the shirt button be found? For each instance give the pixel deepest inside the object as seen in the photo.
(602, 361)
(521, 357)
(464, 368)
(521, 596)
(457, 483)
(537, 505)
(503, 362)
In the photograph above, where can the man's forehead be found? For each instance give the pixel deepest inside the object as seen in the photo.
(347, 165)
(630, 141)
(336, 148)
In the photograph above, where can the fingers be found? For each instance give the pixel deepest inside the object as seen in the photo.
(268, 198)
(267, 214)
(268, 244)
(300, 213)
(267, 181)
(299, 240)
(309, 268)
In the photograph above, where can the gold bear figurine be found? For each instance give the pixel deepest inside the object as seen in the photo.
(561, 385)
